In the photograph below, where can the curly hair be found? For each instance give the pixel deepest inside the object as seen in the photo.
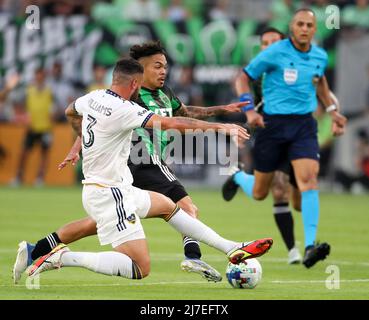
(146, 49)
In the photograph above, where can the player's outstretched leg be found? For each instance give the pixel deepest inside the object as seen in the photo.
(192, 262)
(117, 263)
(23, 260)
(236, 252)
(73, 231)
(194, 228)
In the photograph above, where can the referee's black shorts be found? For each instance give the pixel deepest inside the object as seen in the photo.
(157, 176)
(285, 138)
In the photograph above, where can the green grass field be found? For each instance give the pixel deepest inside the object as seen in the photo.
(29, 214)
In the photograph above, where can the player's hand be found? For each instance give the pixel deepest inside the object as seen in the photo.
(338, 124)
(254, 119)
(237, 133)
(235, 107)
(72, 158)
(337, 130)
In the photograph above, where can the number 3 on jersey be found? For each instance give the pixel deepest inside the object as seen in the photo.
(91, 136)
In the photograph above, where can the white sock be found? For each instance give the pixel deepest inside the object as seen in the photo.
(109, 263)
(191, 227)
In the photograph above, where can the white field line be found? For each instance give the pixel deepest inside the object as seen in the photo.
(219, 258)
(163, 283)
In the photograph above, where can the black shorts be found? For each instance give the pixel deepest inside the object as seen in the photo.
(44, 139)
(285, 138)
(157, 176)
(284, 166)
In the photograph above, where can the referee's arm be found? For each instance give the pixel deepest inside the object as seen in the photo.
(324, 95)
(242, 87)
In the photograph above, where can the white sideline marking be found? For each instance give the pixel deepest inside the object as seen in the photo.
(112, 284)
(219, 257)
(179, 283)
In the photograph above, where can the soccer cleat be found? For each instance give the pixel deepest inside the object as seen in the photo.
(202, 268)
(294, 256)
(249, 250)
(49, 261)
(229, 188)
(315, 253)
(23, 260)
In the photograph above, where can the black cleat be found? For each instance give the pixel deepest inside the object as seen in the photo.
(230, 188)
(315, 253)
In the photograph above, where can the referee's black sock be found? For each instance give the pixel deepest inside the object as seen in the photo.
(284, 220)
(191, 248)
(45, 245)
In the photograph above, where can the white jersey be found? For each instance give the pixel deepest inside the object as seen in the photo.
(107, 125)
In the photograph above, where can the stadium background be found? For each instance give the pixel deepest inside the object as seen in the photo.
(207, 43)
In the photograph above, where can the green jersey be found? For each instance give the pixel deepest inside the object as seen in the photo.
(164, 103)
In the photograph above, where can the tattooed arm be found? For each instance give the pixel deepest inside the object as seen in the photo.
(74, 119)
(207, 112)
(76, 122)
(183, 124)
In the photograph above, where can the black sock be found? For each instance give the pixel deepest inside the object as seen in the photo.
(191, 248)
(284, 220)
(45, 245)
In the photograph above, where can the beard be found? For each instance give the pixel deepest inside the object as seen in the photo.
(134, 95)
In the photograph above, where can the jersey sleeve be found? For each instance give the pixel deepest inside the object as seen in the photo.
(134, 116)
(79, 105)
(325, 62)
(262, 63)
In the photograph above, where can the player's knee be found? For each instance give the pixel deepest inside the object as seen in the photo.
(260, 194)
(308, 182)
(167, 206)
(280, 195)
(145, 272)
(143, 269)
(191, 209)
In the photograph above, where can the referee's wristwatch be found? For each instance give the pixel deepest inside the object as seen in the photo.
(331, 108)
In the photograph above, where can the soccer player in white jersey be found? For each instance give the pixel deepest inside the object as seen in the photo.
(104, 119)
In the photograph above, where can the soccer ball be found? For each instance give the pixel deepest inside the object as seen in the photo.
(245, 275)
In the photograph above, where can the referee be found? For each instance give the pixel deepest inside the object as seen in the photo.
(293, 76)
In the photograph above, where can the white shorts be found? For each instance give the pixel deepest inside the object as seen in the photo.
(117, 212)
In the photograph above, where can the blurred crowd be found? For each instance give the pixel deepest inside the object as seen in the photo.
(354, 12)
(40, 104)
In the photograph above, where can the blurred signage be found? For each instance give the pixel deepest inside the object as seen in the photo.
(217, 48)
